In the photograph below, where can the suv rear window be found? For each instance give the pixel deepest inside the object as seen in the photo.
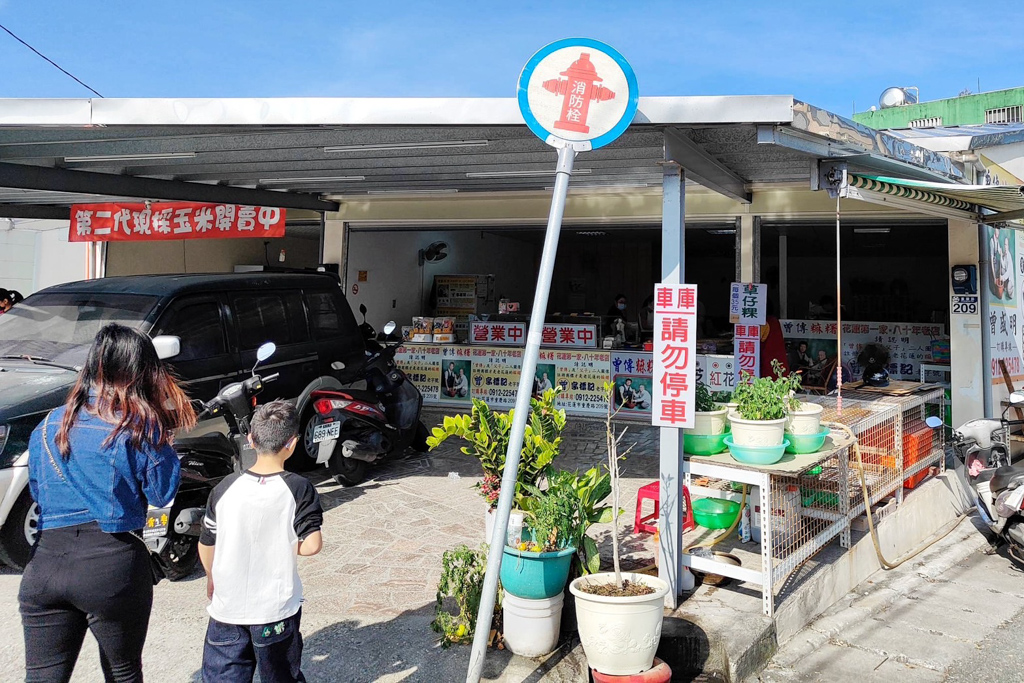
(278, 317)
(323, 313)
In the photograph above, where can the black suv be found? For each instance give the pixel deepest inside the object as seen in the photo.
(220, 321)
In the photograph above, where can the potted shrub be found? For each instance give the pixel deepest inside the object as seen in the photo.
(803, 417)
(762, 405)
(619, 614)
(462, 581)
(487, 433)
(534, 573)
(710, 418)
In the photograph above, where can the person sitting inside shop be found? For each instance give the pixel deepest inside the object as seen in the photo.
(645, 320)
(618, 308)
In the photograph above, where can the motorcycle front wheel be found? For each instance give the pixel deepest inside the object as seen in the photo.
(179, 556)
(347, 471)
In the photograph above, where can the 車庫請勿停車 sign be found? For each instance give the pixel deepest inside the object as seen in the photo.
(675, 331)
(129, 222)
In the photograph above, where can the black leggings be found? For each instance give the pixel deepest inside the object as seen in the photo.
(82, 578)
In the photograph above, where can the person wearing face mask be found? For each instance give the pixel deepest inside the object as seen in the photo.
(618, 309)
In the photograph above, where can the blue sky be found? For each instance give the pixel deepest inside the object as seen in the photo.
(831, 55)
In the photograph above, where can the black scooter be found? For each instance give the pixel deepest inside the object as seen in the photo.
(353, 428)
(172, 532)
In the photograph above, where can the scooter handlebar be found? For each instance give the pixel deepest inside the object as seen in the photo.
(271, 378)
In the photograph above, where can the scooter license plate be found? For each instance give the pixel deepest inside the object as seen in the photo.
(157, 521)
(329, 430)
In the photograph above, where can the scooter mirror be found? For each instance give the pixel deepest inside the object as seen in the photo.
(265, 351)
(167, 346)
(1016, 398)
(390, 327)
(933, 422)
(362, 309)
(337, 365)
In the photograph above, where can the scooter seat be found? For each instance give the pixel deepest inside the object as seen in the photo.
(1005, 476)
(210, 443)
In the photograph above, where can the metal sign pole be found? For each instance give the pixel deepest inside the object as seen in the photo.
(566, 155)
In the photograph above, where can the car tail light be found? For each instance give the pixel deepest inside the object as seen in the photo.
(326, 405)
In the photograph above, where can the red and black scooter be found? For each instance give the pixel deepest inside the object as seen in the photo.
(353, 428)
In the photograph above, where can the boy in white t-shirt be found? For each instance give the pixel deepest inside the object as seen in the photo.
(257, 523)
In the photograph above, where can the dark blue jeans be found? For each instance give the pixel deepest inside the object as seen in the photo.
(233, 653)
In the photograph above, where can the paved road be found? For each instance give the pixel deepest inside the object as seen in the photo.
(370, 593)
(952, 614)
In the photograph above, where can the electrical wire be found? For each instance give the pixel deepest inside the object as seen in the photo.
(65, 71)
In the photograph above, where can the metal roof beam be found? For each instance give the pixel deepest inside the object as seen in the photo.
(86, 182)
(704, 168)
(34, 211)
(1005, 216)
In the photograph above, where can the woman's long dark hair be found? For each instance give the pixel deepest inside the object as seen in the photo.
(133, 390)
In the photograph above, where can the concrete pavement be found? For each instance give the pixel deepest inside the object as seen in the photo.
(942, 616)
(370, 593)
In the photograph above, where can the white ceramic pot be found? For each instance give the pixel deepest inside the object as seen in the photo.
(489, 518)
(531, 627)
(709, 423)
(805, 420)
(757, 432)
(733, 408)
(620, 635)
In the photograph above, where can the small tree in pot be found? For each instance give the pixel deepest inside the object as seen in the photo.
(762, 406)
(619, 614)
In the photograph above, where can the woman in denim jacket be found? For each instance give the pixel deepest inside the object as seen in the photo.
(94, 466)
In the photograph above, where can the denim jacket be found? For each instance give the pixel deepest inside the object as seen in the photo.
(111, 485)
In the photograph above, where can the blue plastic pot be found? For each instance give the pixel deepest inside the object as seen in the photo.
(535, 576)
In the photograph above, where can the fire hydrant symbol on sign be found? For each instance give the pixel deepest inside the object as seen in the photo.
(579, 88)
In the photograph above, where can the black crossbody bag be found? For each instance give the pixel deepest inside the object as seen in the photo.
(154, 564)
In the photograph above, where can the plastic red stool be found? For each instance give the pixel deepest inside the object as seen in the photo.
(652, 492)
(659, 673)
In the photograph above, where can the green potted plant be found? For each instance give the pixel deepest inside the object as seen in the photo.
(761, 409)
(534, 572)
(803, 417)
(710, 417)
(619, 614)
(462, 581)
(487, 433)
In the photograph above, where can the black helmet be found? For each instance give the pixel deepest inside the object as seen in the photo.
(876, 376)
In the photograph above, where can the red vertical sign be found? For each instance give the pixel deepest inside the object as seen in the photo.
(675, 359)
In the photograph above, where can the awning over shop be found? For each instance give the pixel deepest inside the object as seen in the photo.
(1007, 201)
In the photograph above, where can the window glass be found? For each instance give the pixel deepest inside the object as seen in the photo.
(61, 327)
(199, 327)
(278, 317)
(323, 314)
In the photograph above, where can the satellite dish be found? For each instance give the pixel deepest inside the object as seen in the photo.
(435, 252)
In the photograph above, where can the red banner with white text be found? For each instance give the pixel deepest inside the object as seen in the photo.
(121, 222)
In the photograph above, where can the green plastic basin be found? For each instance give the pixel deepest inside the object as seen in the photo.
(806, 443)
(756, 455)
(704, 444)
(715, 513)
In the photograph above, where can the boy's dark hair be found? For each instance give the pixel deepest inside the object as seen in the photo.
(273, 425)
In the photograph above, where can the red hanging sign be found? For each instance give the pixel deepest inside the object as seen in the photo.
(675, 360)
(119, 222)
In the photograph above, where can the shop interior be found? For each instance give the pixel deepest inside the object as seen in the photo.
(890, 272)
(594, 265)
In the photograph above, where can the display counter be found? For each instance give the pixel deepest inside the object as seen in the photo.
(805, 502)
(453, 374)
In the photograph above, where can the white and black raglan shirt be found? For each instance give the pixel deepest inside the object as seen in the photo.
(256, 522)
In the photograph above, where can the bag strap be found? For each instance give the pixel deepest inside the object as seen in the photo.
(49, 453)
